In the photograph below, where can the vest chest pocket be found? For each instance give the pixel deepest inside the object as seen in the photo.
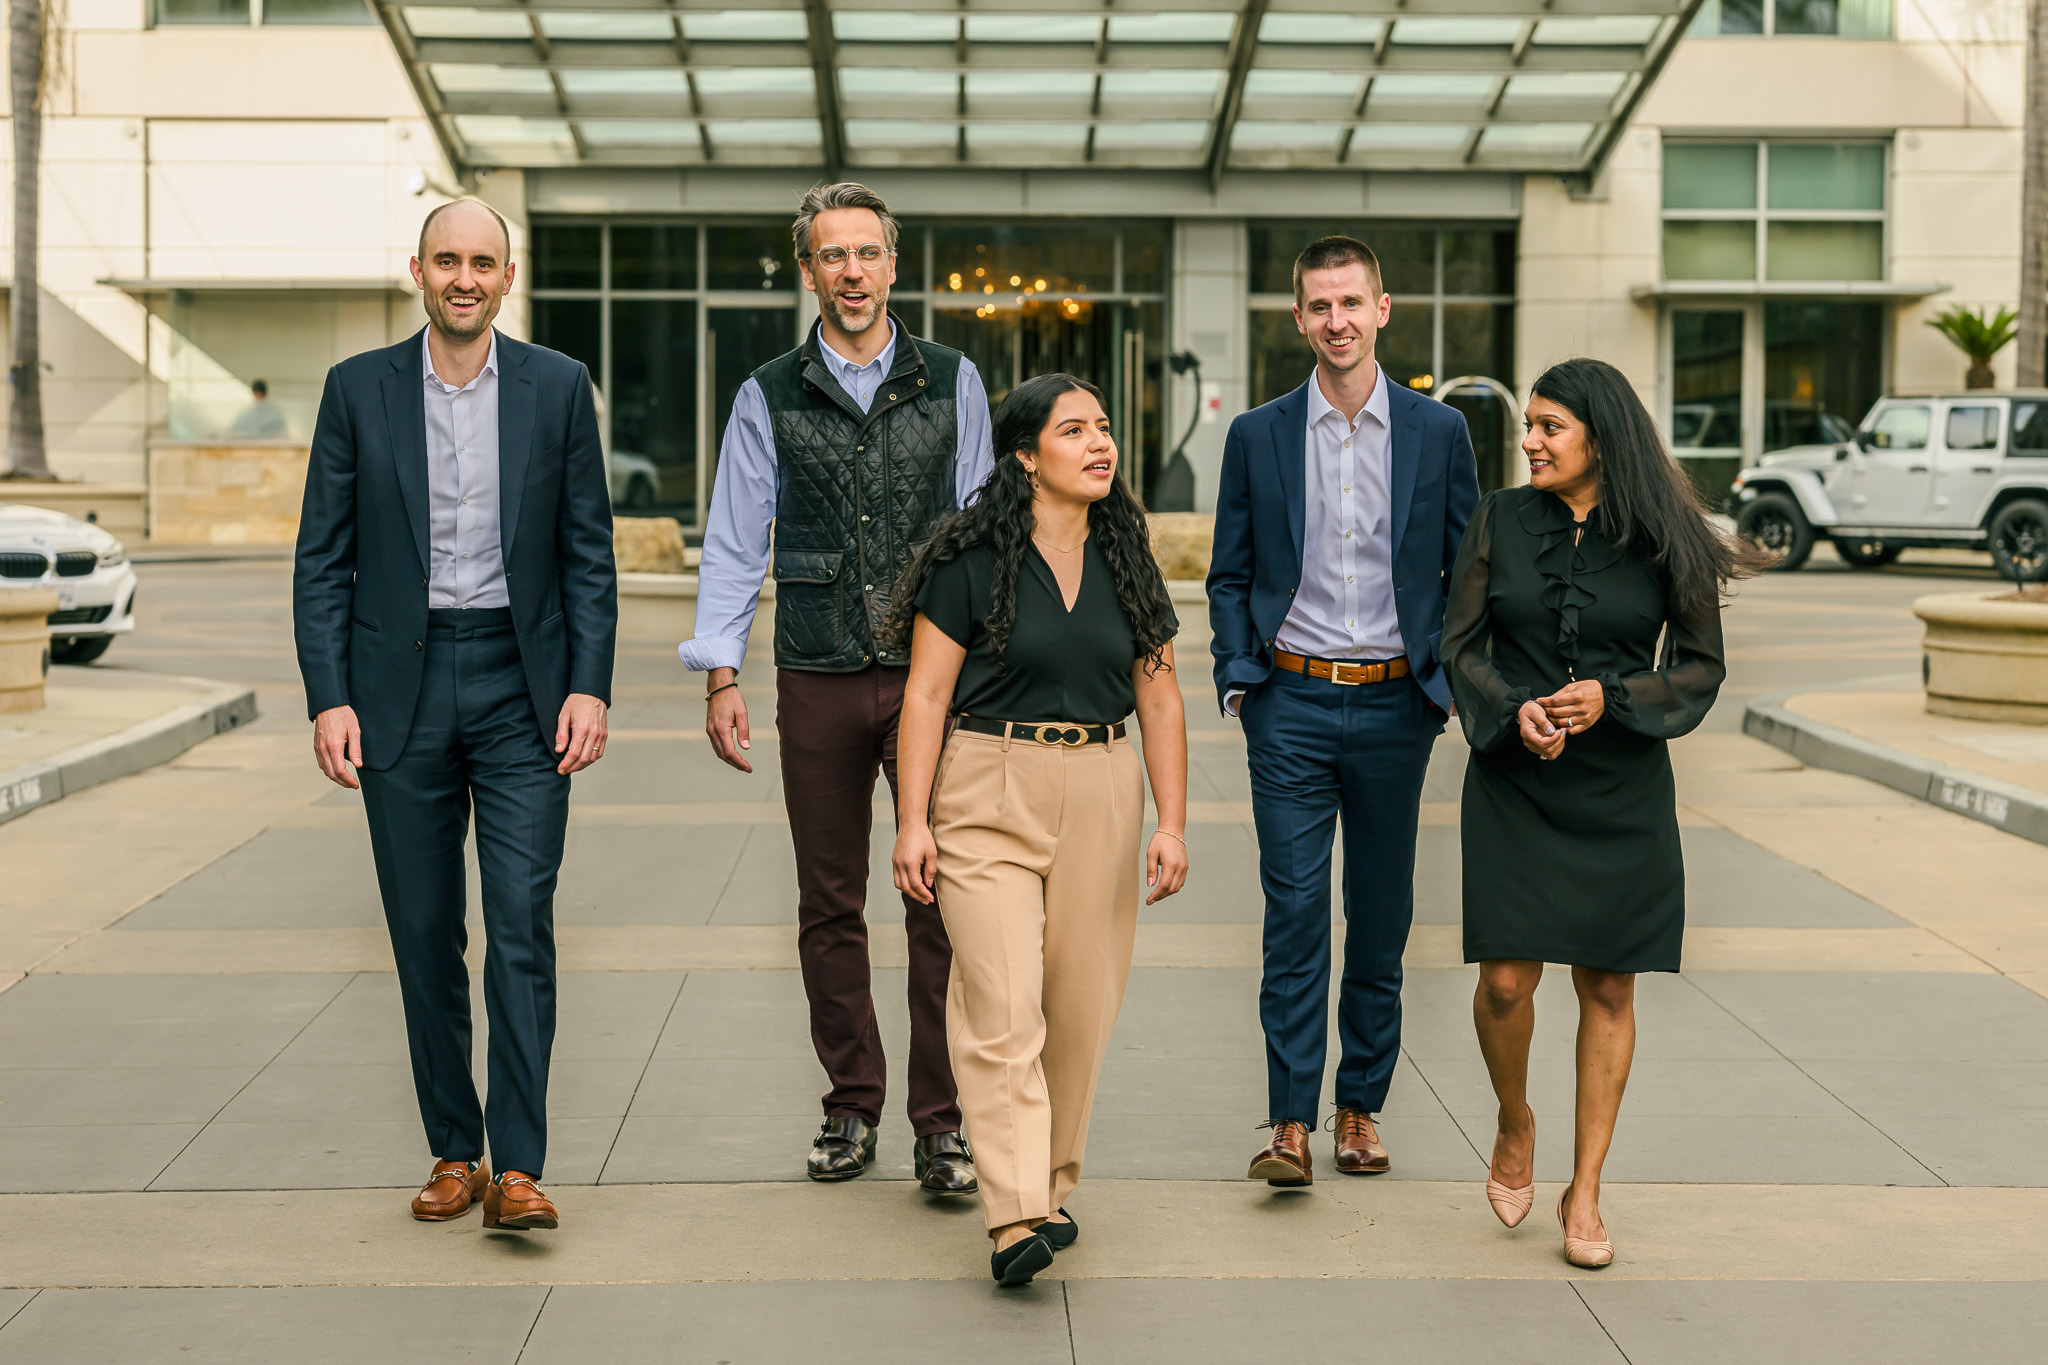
(810, 611)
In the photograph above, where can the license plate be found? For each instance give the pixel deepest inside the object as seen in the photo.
(66, 599)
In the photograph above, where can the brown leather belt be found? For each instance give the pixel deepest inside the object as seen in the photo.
(1338, 671)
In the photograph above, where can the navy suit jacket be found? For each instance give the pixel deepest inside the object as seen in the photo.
(1261, 505)
(359, 588)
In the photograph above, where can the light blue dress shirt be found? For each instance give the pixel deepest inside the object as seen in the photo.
(1344, 606)
(743, 500)
(465, 553)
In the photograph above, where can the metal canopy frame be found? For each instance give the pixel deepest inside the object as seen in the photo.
(1213, 86)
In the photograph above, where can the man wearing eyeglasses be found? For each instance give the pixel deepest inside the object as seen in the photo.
(852, 447)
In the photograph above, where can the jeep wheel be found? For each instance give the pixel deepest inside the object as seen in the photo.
(2019, 541)
(1774, 521)
(1865, 554)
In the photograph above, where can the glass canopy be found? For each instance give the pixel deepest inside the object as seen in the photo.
(1215, 85)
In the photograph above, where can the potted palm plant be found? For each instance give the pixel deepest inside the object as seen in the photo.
(1978, 338)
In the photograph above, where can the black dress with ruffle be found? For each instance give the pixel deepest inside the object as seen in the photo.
(1576, 860)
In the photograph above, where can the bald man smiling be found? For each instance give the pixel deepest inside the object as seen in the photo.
(456, 607)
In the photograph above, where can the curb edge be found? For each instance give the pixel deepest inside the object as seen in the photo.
(157, 740)
(2004, 806)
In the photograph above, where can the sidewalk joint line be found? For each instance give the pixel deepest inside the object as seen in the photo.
(726, 885)
(1066, 1305)
(37, 1294)
(1820, 1084)
(351, 978)
(1598, 1323)
(1430, 1085)
(534, 1326)
(641, 1079)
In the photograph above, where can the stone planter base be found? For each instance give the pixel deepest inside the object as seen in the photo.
(1986, 659)
(24, 648)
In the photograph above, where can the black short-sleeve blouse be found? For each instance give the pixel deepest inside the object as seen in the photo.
(1058, 665)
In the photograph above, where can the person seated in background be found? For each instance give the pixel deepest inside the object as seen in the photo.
(262, 420)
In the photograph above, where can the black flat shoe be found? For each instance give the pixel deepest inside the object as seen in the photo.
(843, 1149)
(945, 1164)
(1016, 1263)
(1061, 1235)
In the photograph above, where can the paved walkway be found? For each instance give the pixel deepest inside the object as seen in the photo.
(1829, 1150)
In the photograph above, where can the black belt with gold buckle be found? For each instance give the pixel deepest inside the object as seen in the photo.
(1072, 736)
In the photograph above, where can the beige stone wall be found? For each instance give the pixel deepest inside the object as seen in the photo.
(220, 494)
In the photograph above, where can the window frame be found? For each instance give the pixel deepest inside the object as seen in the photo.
(257, 19)
(1764, 215)
(1699, 29)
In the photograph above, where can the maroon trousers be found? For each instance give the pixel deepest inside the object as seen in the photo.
(837, 730)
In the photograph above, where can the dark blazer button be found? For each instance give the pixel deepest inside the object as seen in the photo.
(423, 582)
(417, 645)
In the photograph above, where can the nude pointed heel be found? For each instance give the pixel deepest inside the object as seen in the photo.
(1583, 1254)
(1511, 1205)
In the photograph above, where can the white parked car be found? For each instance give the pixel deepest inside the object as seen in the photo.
(1964, 470)
(87, 569)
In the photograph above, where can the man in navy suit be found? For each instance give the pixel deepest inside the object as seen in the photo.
(1337, 520)
(456, 607)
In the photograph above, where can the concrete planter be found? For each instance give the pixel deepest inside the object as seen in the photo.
(226, 492)
(24, 648)
(1986, 659)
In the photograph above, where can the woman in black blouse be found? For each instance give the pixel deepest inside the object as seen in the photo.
(1038, 618)
(1571, 855)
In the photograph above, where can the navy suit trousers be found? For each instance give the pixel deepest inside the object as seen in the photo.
(1319, 751)
(474, 743)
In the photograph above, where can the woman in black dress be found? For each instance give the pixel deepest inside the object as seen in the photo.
(1562, 591)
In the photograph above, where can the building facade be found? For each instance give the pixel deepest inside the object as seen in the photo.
(1751, 206)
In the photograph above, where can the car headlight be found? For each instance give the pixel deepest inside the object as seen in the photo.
(114, 558)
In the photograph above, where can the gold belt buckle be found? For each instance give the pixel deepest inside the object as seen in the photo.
(1050, 735)
(1337, 674)
(1361, 673)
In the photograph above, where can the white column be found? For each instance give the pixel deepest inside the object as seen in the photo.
(1210, 318)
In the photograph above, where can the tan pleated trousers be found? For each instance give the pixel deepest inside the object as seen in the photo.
(1038, 884)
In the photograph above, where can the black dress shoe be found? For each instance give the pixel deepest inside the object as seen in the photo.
(1016, 1263)
(1061, 1235)
(844, 1148)
(945, 1164)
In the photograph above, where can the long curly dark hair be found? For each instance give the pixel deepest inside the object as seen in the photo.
(1001, 517)
(1646, 501)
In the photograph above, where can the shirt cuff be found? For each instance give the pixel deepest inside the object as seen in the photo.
(707, 652)
(1231, 699)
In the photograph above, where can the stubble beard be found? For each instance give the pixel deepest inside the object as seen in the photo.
(854, 323)
(455, 329)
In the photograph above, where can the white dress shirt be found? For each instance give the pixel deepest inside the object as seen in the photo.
(465, 549)
(737, 534)
(1344, 606)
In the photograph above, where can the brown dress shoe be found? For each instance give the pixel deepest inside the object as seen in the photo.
(449, 1191)
(514, 1201)
(1285, 1160)
(1358, 1144)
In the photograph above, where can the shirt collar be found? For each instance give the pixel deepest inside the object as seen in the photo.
(847, 367)
(427, 361)
(1376, 407)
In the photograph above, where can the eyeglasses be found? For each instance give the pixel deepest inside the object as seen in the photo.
(834, 257)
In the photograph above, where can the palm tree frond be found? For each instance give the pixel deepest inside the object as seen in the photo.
(1973, 334)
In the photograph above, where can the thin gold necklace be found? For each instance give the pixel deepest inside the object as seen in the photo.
(1063, 549)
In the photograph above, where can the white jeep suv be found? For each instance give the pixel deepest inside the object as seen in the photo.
(1964, 470)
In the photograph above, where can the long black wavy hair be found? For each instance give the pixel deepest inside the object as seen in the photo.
(1646, 502)
(1001, 517)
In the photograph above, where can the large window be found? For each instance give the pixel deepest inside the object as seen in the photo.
(1774, 210)
(1785, 18)
(1454, 314)
(243, 12)
(673, 317)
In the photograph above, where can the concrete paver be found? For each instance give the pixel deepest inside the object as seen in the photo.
(1841, 1089)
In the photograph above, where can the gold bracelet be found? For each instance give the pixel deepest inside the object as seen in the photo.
(1175, 837)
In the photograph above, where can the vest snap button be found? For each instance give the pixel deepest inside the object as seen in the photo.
(869, 587)
(920, 383)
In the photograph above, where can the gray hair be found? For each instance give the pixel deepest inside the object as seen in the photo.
(847, 194)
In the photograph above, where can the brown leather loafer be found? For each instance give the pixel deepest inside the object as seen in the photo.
(1358, 1144)
(1284, 1160)
(449, 1191)
(513, 1201)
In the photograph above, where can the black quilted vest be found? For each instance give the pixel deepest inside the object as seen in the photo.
(856, 493)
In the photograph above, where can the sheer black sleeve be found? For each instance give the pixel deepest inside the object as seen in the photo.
(1673, 698)
(1487, 706)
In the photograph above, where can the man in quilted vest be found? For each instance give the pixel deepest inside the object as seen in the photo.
(852, 447)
